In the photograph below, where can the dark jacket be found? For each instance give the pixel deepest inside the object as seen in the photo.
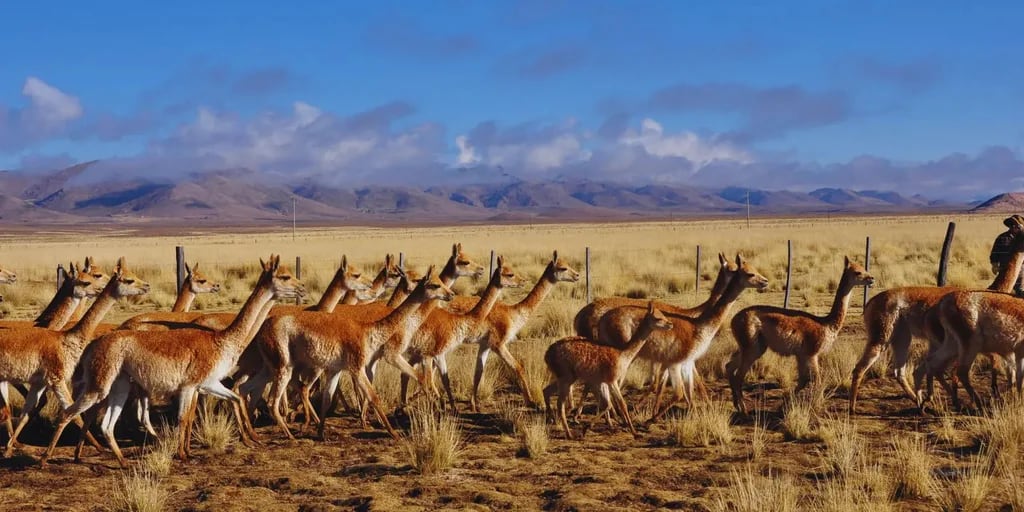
(1001, 248)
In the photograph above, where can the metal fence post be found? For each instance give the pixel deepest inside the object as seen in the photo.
(60, 276)
(867, 266)
(696, 281)
(789, 272)
(298, 275)
(944, 258)
(491, 271)
(179, 260)
(589, 298)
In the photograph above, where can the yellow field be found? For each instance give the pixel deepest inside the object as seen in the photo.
(711, 460)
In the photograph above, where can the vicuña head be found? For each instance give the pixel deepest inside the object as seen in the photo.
(509, 279)
(7, 276)
(128, 284)
(90, 267)
(464, 266)
(751, 278)
(282, 283)
(655, 319)
(561, 271)
(351, 276)
(856, 272)
(433, 287)
(85, 284)
(198, 281)
(393, 272)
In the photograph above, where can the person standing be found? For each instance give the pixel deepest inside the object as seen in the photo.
(1001, 247)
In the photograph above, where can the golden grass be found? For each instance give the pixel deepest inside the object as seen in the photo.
(215, 431)
(750, 491)
(844, 446)
(533, 436)
(138, 491)
(703, 424)
(800, 418)
(969, 491)
(159, 456)
(912, 465)
(435, 441)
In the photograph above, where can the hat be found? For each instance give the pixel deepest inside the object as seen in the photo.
(1014, 220)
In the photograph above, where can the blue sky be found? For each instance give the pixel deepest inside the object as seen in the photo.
(636, 91)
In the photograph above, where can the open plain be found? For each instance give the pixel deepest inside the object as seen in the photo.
(790, 453)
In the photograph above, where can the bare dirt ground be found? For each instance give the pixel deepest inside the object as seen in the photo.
(358, 469)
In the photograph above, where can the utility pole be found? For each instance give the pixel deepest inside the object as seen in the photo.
(293, 219)
(748, 208)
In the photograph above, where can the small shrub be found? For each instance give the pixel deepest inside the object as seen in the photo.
(434, 443)
(533, 436)
(749, 491)
(912, 465)
(215, 431)
(138, 491)
(704, 424)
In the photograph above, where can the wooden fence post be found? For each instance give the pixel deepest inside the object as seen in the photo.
(179, 260)
(491, 271)
(944, 258)
(867, 266)
(589, 298)
(298, 275)
(60, 276)
(401, 260)
(789, 272)
(696, 281)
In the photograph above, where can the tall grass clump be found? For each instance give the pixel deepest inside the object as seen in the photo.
(138, 491)
(533, 436)
(435, 441)
(969, 491)
(159, 456)
(749, 491)
(703, 424)
(844, 447)
(216, 432)
(800, 417)
(912, 465)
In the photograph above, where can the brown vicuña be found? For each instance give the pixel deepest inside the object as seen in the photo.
(506, 320)
(195, 283)
(588, 321)
(677, 350)
(894, 317)
(178, 363)
(443, 331)
(790, 332)
(599, 367)
(45, 359)
(316, 343)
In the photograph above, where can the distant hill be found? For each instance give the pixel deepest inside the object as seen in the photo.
(1011, 202)
(76, 194)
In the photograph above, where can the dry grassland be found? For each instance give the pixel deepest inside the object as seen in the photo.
(794, 453)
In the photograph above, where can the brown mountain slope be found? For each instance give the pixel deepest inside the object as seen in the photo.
(1010, 202)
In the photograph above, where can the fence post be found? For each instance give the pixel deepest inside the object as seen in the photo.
(696, 281)
(179, 260)
(491, 271)
(401, 260)
(298, 275)
(588, 275)
(789, 272)
(867, 266)
(60, 276)
(944, 259)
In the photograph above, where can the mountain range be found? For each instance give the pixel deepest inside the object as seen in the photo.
(240, 197)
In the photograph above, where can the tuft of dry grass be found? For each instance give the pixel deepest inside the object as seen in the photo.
(533, 436)
(912, 465)
(138, 491)
(968, 493)
(703, 424)
(216, 432)
(800, 418)
(435, 441)
(159, 457)
(844, 447)
(1001, 432)
(758, 438)
(749, 491)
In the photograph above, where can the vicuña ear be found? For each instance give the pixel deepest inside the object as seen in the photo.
(455, 249)
(344, 263)
(429, 274)
(846, 261)
(722, 260)
(554, 257)
(501, 262)
(120, 265)
(188, 269)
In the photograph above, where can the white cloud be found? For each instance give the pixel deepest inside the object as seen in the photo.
(49, 105)
(467, 154)
(688, 145)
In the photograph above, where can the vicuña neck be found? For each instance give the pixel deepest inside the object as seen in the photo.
(410, 314)
(250, 311)
(717, 289)
(841, 303)
(61, 307)
(636, 342)
(716, 313)
(540, 290)
(86, 327)
(1009, 272)
(487, 301)
(186, 297)
(333, 294)
(79, 312)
